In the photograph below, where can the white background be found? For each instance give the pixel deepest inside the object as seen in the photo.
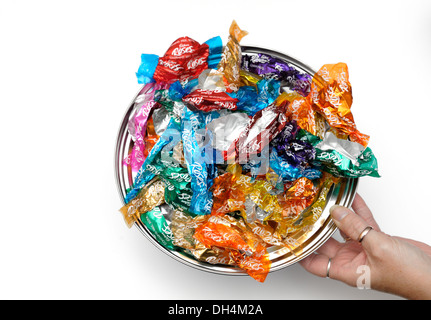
(67, 75)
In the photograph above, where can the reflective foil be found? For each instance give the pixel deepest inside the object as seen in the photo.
(246, 248)
(153, 165)
(310, 214)
(156, 222)
(251, 99)
(137, 126)
(331, 96)
(210, 100)
(262, 128)
(202, 172)
(184, 59)
(149, 197)
(272, 68)
(226, 129)
(230, 63)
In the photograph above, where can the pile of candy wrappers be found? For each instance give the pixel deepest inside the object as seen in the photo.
(234, 152)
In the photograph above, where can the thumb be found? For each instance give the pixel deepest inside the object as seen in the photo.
(351, 224)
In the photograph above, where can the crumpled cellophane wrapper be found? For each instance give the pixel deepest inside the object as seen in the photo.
(152, 195)
(331, 96)
(230, 63)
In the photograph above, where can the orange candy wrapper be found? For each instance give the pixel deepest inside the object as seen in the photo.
(247, 249)
(331, 96)
(298, 197)
(232, 189)
(151, 138)
(311, 213)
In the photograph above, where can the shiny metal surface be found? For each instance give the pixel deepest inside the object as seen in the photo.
(305, 242)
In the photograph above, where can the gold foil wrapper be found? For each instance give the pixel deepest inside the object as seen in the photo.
(152, 195)
(248, 78)
(183, 228)
(178, 154)
(267, 233)
(230, 63)
(215, 255)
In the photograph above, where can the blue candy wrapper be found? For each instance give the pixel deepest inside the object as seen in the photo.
(201, 171)
(177, 90)
(162, 149)
(215, 51)
(146, 69)
(252, 100)
(288, 172)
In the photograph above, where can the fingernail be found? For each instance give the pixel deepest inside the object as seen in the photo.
(338, 212)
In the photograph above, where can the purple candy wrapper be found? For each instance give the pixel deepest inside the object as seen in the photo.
(272, 68)
(295, 152)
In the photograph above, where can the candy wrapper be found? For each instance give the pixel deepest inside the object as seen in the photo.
(298, 197)
(224, 130)
(246, 248)
(343, 161)
(149, 197)
(262, 128)
(331, 96)
(234, 155)
(311, 214)
(137, 126)
(251, 99)
(273, 68)
(209, 100)
(156, 222)
(230, 63)
(288, 172)
(153, 163)
(200, 171)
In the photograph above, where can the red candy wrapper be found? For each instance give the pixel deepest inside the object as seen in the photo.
(262, 128)
(209, 100)
(185, 58)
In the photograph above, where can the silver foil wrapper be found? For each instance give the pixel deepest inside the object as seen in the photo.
(226, 129)
(349, 149)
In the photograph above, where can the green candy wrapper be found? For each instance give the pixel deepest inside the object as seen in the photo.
(178, 192)
(156, 223)
(344, 158)
(341, 166)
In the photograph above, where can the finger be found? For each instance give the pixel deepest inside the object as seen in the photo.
(316, 264)
(361, 209)
(345, 237)
(352, 225)
(330, 248)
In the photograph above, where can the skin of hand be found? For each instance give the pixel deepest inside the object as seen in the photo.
(396, 265)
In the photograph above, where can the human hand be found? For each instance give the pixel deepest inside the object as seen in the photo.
(396, 265)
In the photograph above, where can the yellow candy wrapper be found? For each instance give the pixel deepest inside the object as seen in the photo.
(152, 195)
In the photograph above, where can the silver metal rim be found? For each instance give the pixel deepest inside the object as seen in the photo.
(342, 194)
